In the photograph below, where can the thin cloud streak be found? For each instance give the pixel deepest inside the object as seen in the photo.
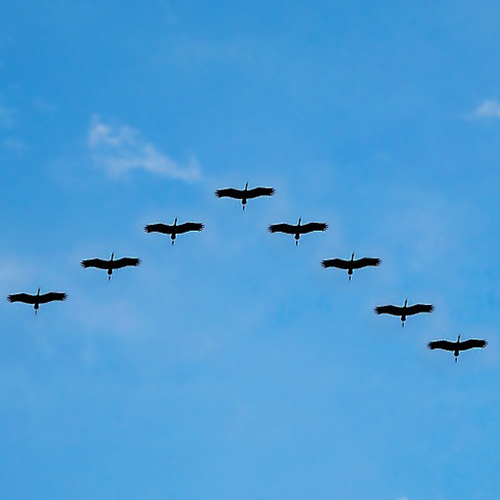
(119, 149)
(488, 109)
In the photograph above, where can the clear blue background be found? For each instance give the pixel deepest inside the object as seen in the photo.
(232, 365)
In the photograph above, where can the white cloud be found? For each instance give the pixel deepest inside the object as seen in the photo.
(488, 109)
(119, 149)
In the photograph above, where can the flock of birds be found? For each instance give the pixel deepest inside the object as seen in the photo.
(297, 230)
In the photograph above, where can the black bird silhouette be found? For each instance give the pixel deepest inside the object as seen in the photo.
(244, 194)
(405, 310)
(111, 264)
(174, 229)
(352, 264)
(457, 346)
(37, 299)
(298, 229)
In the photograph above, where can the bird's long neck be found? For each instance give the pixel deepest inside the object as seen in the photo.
(300, 219)
(38, 292)
(246, 186)
(458, 340)
(406, 303)
(175, 222)
(112, 257)
(352, 256)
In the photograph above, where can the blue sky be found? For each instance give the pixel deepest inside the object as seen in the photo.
(232, 365)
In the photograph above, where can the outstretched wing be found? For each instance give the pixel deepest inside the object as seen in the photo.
(282, 228)
(229, 193)
(51, 296)
(158, 228)
(419, 308)
(365, 262)
(125, 261)
(98, 263)
(338, 263)
(471, 343)
(393, 310)
(313, 226)
(189, 226)
(26, 298)
(442, 344)
(260, 191)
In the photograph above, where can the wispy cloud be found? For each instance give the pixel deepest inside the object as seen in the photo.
(7, 116)
(489, 108)
(14, 144)
(119, 149)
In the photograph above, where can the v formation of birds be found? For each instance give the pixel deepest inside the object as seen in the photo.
(295, 230)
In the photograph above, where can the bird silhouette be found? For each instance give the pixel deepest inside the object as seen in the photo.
(298, 229)
(111, 264)
(174, 229)
(457, 346)
(244, 194)
(404, 311)
(38, 299)
(351, 264)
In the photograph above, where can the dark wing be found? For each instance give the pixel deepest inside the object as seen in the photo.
(471, 343)
(158, 228)
(125, 261)
(442, 344)
(22, 297)
(98, 263)
(419, 308)
(394, 310)
(282, 228)
(51, 296)
(229, 193)
(189, 226)
(338, 263)
(365, 262)
(259, 191)
(313, 226)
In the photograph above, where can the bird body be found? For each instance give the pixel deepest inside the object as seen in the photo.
(111, 264)
(244, 194)
(404, 311)
(457, 346)
(174, 229)
(38, 299)
(298, 229)
(351, 264)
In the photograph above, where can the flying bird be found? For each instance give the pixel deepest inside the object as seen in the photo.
(244, 194)
(174, 229)
(37, 299)
(405, 310)
(352, 264)
(111, 264)
(298, 229)
(457, 346)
